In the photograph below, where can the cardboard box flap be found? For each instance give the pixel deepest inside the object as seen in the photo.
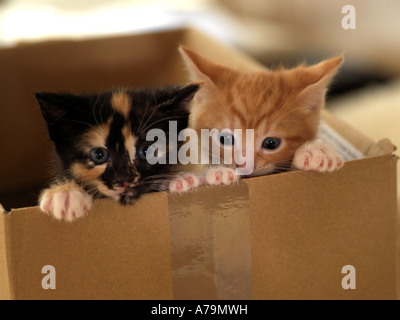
(382, 147)
(115, 252)
(4, 278)
(306, 227)
(284, 236)
(367, 146)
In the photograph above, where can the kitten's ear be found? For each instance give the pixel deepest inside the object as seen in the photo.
(312, 97)
(202, 69)
(184, 96)
(198, 66)
(178, 99)
(55, 105)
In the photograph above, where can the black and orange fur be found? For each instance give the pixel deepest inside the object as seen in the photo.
(117, 121)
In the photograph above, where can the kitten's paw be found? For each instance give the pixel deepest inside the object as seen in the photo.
(221, 175)
(65, 201)
(316, 156)
(184, 183)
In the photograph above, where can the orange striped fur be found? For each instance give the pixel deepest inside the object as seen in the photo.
(285, 103)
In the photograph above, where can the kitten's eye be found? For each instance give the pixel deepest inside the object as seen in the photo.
(99, 155)
(141, 152)
(271, 143)
(226, 139)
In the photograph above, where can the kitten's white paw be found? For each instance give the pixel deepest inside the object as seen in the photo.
(65, 201)
(316, 156)
(221, 175)
(184, 183)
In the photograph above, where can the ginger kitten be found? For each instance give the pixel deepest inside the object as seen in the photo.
(282, 107)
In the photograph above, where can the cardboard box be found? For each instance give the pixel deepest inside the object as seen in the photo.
(284, 236)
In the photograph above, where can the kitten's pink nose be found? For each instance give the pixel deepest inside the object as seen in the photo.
(126, 184)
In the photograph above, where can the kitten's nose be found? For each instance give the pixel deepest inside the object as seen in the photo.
(129, 181)
(126, 184)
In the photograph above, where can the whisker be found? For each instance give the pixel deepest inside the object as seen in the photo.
(94, 107)
(162, 120)
(145, 116)
(82, 122)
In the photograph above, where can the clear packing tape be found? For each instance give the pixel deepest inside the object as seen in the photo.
(210, 244)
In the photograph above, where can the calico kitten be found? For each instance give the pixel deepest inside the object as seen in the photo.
(283, 107)
(100, 141)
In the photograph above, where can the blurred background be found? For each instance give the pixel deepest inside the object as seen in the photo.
(366, 93)
(273, 32)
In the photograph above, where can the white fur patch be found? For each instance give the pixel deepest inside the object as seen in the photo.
(65, 202)
(185, 183)
(221, 175)
(316, 156)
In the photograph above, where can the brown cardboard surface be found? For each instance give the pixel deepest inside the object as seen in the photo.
(302, 228)
(289, 233)
(306, 227)
(115, 253)
(4, 280)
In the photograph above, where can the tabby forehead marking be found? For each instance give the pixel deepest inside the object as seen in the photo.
(121, 102)
(130, 141)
